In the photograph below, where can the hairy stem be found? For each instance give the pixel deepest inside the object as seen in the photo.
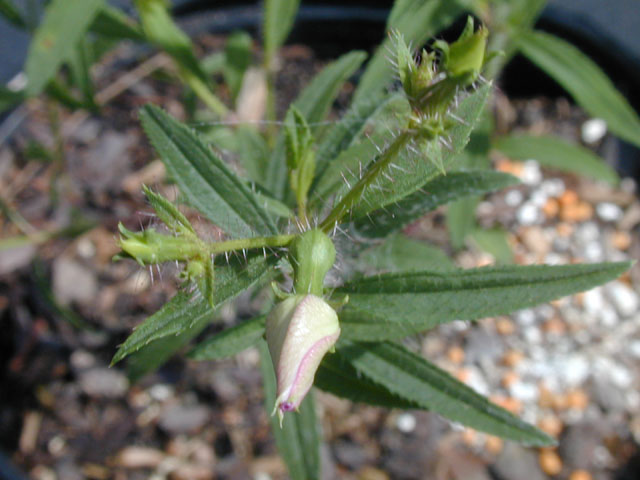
(373, 172)
(247, 243)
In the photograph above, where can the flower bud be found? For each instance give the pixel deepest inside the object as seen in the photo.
(299, 330)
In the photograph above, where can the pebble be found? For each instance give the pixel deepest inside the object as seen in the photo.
(103, 382)
(634, 348)
(623, 297)
(531, 173)
(525, 317)
(532, 334)
(620, 240)
(609, 212)
(551, 425)
(183, 418)
(593, 300)
(580, 475)
(73, 282)
(406, 422)
(524, 391)
(514, 460)
(593, 252)
(513, 198)
(538, 198)
(593, 130)
(528, 214)
(553, 187)
(550, 462)
(573, 369)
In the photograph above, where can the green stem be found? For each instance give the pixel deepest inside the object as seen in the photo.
(248, 243)
(373, 172)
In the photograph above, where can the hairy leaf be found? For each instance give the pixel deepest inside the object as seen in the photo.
(230, 341)
(402, 254)
(556, 153)
(337, 376)
(411, 377)
(206, 182)
(439, 191)
(584, 80)
(189, 311)
(395, 305)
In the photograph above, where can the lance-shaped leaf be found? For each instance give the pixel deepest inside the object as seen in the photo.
(169, 213)
(205, 181)
(411, 377)
(556, 153)
(230, 341)
(439, 191)
(338, 376)
(313, 103)
(9, 11)
(189, 311)
(111, 22)
(584, 80)
(298, 439)
(64, 24)
(395, 305)
(279, 16)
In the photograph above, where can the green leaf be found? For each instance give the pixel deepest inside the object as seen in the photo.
(402, 254)
(298, 440)
(204, 179)
(80, 64)
(64, 24)
(413, 378)
(230, 341)
(9, 11)
(495, 242)
(439, 191)
(556, 153)
(111, 22)
(337, 376)
(411, 171)
(188, 311)
(395, 305)
(313, 103)
(237, 60)
(584, 80)
(416, 21)
(279, 16)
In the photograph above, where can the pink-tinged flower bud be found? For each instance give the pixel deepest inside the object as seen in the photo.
(299, 330)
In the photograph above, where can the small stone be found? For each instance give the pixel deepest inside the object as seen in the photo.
(161, 392)
(532, 334)
(139, 457)
(577, 399)
(528, 214)
(525, 317)
(551, 208)
(550, 462)
(406, 423)
(624, 298)
(538, 198)
(564, 229)
(580, 475)
(609, 212)
(513, 198)
(524, 391)
(579, 212)
(531, 174)
(593, 130)
(593, 300)
(512, 358)
(504, 326)
(551, 425)
(178, 419)
(103, 382)
(593, 252)
(493, 444)
(634, 348)
(574, 369)
(620, 240)
(553, 187)
(514, 460)
(568, 198)
(509, 378)
(455, 355)
(73, 282)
